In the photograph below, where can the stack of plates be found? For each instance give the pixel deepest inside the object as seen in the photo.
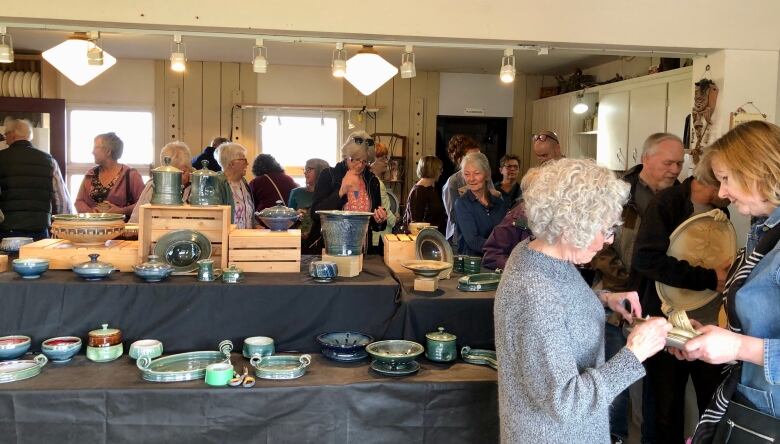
(20, 84)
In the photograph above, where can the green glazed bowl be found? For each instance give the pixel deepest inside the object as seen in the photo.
(151, 348)
(104, 354)
(394, 351)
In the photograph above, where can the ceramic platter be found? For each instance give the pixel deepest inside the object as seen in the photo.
(431, 245)
(282, 366)
(393, 207)
(11, 371)
(398, 369)
(701, 241)
(182, 249)
(183, 366)
(480, 357)
(426, 268)
(479, 282)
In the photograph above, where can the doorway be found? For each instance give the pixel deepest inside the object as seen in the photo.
(490, 132)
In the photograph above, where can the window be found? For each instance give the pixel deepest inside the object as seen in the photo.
(134, 126)
(297, 136)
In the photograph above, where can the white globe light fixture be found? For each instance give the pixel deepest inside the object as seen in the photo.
(75, 61)
(367, 70)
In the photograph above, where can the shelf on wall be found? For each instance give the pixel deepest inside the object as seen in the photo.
(589, 133)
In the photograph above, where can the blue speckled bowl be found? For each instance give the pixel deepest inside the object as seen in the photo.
(12, 347)
(30, 268)
(61, 349)
(344, 346)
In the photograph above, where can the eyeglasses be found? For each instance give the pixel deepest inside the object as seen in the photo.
(363, 161)
(360, 140)
(512, 167)
(543, 137)
(242, 160)
(307, 169)
(610, 232)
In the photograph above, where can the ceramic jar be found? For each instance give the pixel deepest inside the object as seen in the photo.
(440, 346)
(166, 184)
(278, 217)
(206, 186)
(344, 232)
(232, 274)
(153, 270)
(93, 270)
(105, 337)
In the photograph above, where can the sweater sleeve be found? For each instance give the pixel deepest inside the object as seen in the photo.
(82, 203)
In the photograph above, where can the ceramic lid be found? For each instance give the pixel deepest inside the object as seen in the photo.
(153, 264)
(88, 217)
(701, 241)
(204, 170)
(232, 269)
(94, 265)
(279, 210)
(440, 335)
(104, 331)
(166, 167)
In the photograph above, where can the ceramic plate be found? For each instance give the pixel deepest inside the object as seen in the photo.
(183, 366)
(393, 202)
(426, 268)
(402, 369)
(182, 249)
(4, 82)
(36, 85)
(18, 81)
(9, 84)
(702, 241)
(479, 282)
(431, 245)
(27, 84)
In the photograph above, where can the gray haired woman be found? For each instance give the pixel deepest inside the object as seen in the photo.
(232, 159)
(553, 383)
(179, 154)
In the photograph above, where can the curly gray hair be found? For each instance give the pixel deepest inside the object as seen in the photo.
(571, 200)
(352, 149)
(227, 152)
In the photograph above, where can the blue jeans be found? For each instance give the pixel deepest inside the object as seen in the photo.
(36, 235)
(618, 411)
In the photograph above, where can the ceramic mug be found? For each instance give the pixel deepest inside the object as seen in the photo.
(415, 227)
(258, 345)
(206, 270)
(219, 374)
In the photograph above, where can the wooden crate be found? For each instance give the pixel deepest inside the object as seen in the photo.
(155, 221)
(63, 255)
(4, 266)
(399, 248)
(349, 266)
(265, 251)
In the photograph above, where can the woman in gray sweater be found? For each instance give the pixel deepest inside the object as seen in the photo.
(554, 385)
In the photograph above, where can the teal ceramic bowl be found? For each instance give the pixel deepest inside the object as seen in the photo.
(12, 347)
(104, 354)
(30, 268)
(151, 348)
(61, 349)
(258, 345)
(394, 351)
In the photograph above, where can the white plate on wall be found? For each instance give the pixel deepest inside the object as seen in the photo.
(36, 85)
(9, 84)
(18, 81)
(27, 84)
(4, 82)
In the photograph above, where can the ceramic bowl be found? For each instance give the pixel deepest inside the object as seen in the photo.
(12, 347)
(344, 232)
(30, 268)
(12, 244)
(151, 348)
(325, 270)
(87, 228)
(104, 354)
(61, 349)
(426, 268)
(258, 345)
(277, 223)
(153, 270)
(415, 227)
(93, 269)
(395, 351)
(344, 346)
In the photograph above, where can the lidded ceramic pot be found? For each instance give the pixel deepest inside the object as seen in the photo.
(153, 270)
(166, 184)
(93, 269)
(232, 274)
(105, 337)
(440, 346)
(205, 186)
(279, 217)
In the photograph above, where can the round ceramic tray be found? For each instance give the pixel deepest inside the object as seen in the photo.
(182, 249)
(426, 268)
(701, 241)
(400, 369)
(431, 245)
(11, 371)
(183, 366)
(479, 282)
(479, 357)
(280, 366)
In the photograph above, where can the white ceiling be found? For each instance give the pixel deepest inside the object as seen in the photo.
(219, 49)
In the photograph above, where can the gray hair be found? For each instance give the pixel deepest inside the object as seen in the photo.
(318, 165)
(653, 140)
(352, 149)
(571, 200)
(113, 143)
(703, 170)
(228, 152)
(21, 127)
(478, 160)
(179, 153)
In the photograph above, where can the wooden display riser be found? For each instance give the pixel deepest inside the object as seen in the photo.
(349, 266)
(4, 265)
(63, 255)
(399, 248)
(265, 251)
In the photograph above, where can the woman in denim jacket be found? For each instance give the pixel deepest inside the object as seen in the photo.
(747, 163)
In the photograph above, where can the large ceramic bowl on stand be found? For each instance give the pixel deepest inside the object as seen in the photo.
(344, 232)
(88, 228)
(431, 245)
(346, 346)
(278, 217)
(425, 268)
(395, 357)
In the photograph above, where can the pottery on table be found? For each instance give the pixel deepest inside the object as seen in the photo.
(13, 244)
(219, 374)
(440, 346)
(206, 186)
(323, 271)
(93, 269)
(426, 268)
(183, 366)
(206, 270)
(344, 232)
(258, 345)
(14, 346)
(88, 228)
(344, 346)
(104, 337)
(394, 351)
(105, 354)
(30, 268)
(232, 274)
(151, 348)
(166, 184)
(416, 227)
(153, 270)
(280, 366)
(278, 217)
(61, 349)
(11, 371)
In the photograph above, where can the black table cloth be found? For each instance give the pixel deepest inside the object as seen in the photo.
(84, 401)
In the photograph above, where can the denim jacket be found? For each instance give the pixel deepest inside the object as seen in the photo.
(758, 309)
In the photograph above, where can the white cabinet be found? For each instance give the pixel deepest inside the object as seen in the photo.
(555, 114)
(680, 96)
(647, 115)
(612, 138)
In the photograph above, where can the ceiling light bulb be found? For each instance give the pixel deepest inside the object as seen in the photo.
(178, 56)
(68, 58)
(408, 69)
(507, 73)
(367, 71)
(6, 47)
(260, 60)
(94, 51)
(338, 64)
(580, 108)
(350, 125)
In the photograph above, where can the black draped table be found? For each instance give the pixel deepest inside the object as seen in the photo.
(82, 401)
(189, 315)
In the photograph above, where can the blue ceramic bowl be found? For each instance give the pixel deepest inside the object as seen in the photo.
(323, 270)
(62, 348)
(30, 268)
(12, 347)
(92, 274)
(277, 223)
(344, 346)
(155, 275)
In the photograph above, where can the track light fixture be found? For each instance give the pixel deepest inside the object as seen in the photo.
(408, 69)
(6, 46)
(507, 73)
(95, 49)
(260, 57)
(338, 64)
(350, 125)
(178, 54)
(580, 107)
(77, 58)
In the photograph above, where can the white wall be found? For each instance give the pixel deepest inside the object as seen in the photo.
(129, 82)
(299, 85)
(479, 91)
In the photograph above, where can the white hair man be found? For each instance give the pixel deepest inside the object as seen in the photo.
(31, 185)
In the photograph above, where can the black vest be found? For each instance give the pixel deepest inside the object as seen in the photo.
(26, 188)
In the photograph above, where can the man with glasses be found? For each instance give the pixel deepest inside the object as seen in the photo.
(546, 146)
(508, 186)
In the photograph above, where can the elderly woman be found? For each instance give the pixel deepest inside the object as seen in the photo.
(379, 168)
(480, 208)
(350, 185)
(109, 187)
(270, 183)
(509, 166)
(746, 161)
(424, 203)
(232, 159)
(180, 155)
(553, 383)
(459, 145)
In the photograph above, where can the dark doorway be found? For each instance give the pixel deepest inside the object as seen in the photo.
(490, 132)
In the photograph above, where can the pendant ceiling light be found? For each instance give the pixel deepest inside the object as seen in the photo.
(507, 73)
(77, 58)
(408, 70)
(6, 46)
(338, 64)
(178, 54)
(580, 107)
(259, 57)
(367, 70)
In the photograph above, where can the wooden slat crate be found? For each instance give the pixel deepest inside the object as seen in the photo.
(265, 251)
(63, 255)
(4, 265)
(155, 221)
(399, 248)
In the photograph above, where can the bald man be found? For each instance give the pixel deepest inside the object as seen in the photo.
(546, 146)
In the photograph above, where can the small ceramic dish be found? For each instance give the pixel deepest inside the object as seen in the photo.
(30, 268)
(345, 346)
(105, 354)
(258, 345)
(12, 347)
(479, 357)
(394, 351)
(104, 337)
(280, 366)
(151, 348)
(426, 268)
(11, 371)
(61, 349)
(323, 271)
(13, 244)
(152, 270)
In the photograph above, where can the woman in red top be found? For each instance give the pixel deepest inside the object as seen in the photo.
(270, 183)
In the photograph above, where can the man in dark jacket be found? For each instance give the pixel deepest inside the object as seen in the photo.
(666, 375)
(208, 154)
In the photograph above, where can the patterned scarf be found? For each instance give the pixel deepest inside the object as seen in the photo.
(738, 274)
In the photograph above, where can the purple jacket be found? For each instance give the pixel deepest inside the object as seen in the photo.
(499, 245)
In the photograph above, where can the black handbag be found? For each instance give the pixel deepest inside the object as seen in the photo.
(744, 425)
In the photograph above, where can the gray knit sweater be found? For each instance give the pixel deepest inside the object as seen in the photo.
(553, 383)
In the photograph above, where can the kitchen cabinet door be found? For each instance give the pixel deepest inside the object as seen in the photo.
(612, 137)
(647, 115)
(680, 105)
(553, 115)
